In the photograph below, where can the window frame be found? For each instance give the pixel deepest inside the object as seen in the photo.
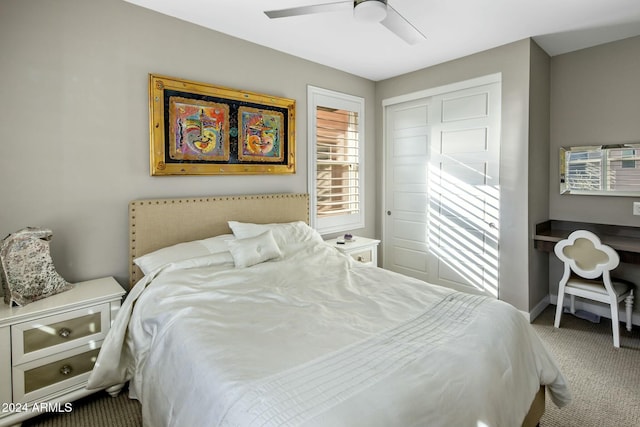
(332, 99)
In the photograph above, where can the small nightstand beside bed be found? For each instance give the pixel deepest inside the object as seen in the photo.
(280, 328)
(48, 347)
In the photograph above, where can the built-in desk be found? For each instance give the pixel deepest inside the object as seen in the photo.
(624, 239)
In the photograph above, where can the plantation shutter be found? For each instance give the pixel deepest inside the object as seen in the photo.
(337, 154)
(336, 160)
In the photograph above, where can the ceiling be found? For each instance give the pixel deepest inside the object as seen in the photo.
(453, 29)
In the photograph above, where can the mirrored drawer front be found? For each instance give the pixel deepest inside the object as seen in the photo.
(60, 332)
(33, 380)
(364, 256)
(61, 370)
(40, 338)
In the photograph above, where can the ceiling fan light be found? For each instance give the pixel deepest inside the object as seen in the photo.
(370, 11)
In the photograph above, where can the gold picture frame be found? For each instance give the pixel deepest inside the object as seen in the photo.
(202, 129)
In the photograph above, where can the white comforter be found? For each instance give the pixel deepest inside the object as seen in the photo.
(315, 339)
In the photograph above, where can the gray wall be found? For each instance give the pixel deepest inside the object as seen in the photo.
(539, 118)
(595, 99)
(513, 61)
(74, 125)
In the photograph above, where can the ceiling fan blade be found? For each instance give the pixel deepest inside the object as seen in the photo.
(401, 27)
(308, 10)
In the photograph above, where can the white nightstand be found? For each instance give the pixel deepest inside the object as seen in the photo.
(361, 249)
(48, 348)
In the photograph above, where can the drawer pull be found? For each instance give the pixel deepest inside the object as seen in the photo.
(66, 370)
(64, 332)
(360, 258)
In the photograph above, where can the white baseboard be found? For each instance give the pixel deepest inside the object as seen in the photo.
(539, 308)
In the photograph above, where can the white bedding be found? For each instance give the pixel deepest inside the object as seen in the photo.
(315, 339)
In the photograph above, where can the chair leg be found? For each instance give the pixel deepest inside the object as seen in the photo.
(560, 302)
(628, 303)
(615, 324)
(573, 304)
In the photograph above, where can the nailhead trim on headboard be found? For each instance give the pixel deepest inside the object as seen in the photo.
(296, 208)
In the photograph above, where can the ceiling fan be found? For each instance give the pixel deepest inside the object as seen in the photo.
(365, 10)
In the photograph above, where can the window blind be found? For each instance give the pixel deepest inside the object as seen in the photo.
(337, 162)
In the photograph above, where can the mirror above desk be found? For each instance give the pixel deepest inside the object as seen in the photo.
(603, 170)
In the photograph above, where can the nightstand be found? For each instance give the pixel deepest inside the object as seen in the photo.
(48, 348)
(362, 249)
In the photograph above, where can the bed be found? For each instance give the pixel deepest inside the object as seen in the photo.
(273, 327)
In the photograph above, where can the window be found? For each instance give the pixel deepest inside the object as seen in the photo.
(336, 160)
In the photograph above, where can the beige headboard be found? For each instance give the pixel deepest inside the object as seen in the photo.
(157, 223)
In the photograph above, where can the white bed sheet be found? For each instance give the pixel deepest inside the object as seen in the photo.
(316, 339)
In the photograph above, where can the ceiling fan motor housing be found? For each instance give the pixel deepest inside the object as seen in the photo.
(370, 10)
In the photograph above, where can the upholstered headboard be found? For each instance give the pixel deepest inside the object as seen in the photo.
(157, 223)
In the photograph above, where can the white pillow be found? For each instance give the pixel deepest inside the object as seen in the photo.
(284, 233)
(181, 251)
(254, 250)
(218, 243)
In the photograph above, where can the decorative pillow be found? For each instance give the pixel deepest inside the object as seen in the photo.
(284, 233)
(27, 272)
(254, 250)
(182, 251)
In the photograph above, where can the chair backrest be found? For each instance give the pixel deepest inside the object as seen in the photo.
(583, 252)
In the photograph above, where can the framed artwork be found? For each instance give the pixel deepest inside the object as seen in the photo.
(201, 129)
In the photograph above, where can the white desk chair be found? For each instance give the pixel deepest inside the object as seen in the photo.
(585, 259)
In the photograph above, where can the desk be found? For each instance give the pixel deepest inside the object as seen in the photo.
(624, 239)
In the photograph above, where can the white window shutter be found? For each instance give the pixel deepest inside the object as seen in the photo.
(336, 164)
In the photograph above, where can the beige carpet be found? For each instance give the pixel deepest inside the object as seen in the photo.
(98, 410)
(605, 382)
